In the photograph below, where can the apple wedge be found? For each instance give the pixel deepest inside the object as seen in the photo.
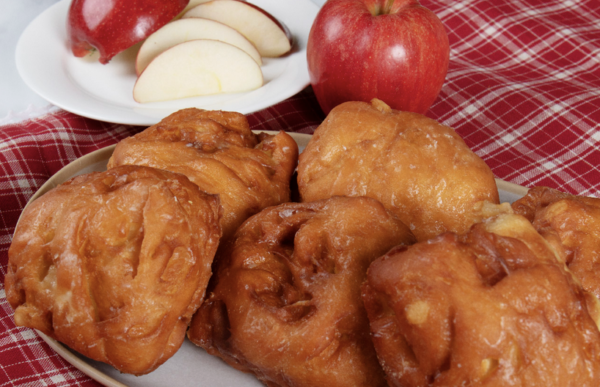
(195, 68)
(191, 5)
(271, 37)
(183, 30)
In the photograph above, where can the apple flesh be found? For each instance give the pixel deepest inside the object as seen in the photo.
(183, 30)
(271, 37)
(195, 68)
(396, 51)
(113, 26)
(191, 5)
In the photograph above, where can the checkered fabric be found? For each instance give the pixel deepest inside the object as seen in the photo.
(523, 90)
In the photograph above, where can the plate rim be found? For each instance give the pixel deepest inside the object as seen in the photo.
(102, 154)
(103, 110)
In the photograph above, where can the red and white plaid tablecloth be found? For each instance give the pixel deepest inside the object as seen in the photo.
(523, 90)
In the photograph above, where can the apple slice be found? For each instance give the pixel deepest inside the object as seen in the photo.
(191, 5)
(197, 67)
(184, 30)
(271, 37)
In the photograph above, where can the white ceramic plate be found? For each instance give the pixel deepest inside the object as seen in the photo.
(104, 92)
(190, 366)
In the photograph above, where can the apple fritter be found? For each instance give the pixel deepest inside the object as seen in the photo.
(114, 264)
(287, 306)
(217, 151)
(419, 169)
(572, 225)
(492, 307)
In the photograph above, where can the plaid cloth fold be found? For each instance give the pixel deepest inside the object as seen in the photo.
(523, 90)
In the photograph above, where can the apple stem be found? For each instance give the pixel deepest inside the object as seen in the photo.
(388, 7)
(392, 6)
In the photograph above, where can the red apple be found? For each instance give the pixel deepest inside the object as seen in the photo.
(111, 26)
(396, 51)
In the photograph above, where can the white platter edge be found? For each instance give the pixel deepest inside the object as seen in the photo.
(46, 66)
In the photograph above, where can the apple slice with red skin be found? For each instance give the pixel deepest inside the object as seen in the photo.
(271, 37)
(113, 26)
(396, 51)
(192, 4)
(193, 28)
(195, 68)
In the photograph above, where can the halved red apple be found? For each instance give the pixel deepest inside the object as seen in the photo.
(113, 26)
(271, 37)
(195, 68)
(184, 30)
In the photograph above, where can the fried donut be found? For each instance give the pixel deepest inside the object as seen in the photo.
(287, 305)
(114, 264)
(420, 170)
(492, 307)
(217, 151)
(572, 224)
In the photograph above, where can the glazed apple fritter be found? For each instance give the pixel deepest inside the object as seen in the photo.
(420, 170)
(217, 151)
(572, 225)
(287, 304)
(492, 307)
(114, 264)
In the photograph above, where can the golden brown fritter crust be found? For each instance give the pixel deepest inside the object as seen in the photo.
(420, 170)
(114, 264)
(287, 305)
(493, 307)
(218, 152)
(572, 225)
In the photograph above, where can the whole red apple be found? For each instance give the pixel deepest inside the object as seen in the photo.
(111, 26)
(394, 50)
